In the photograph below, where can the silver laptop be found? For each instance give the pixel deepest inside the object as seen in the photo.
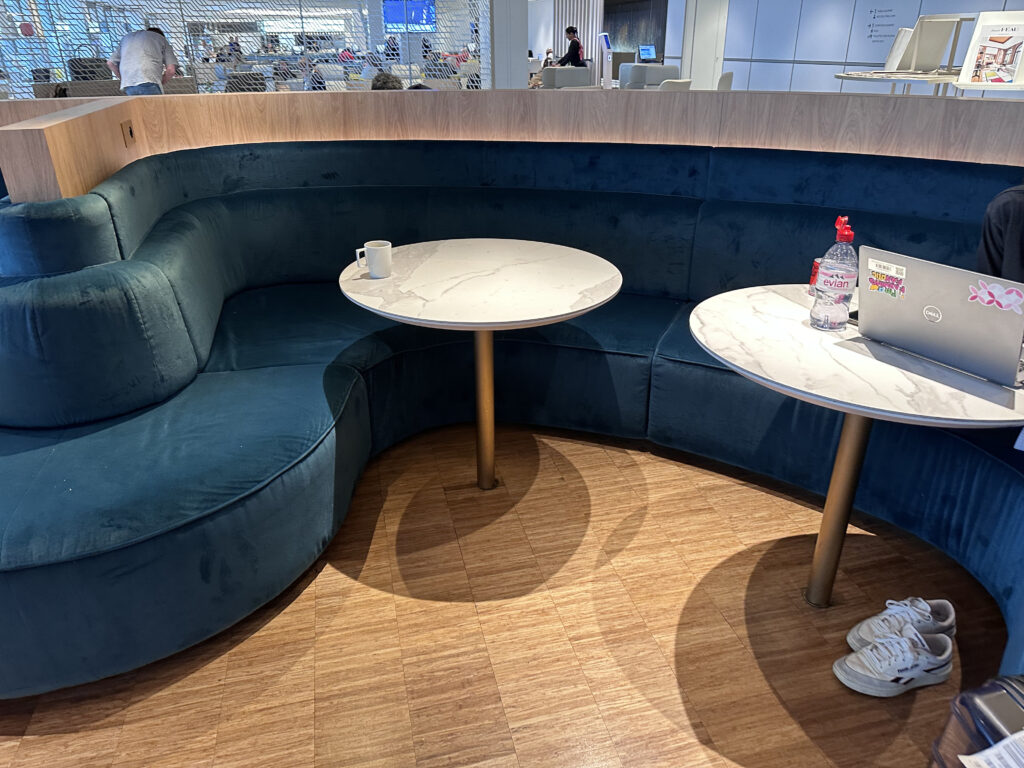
(962, 319)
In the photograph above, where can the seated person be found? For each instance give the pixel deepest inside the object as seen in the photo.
(312, 80)
(385, 81)
(1001, 251)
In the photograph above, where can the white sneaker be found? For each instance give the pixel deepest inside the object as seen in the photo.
(896, 664)
(928, 617)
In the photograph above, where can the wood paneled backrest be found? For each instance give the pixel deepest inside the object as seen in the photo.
(69, 153)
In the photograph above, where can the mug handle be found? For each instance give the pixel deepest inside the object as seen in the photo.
(360, 251)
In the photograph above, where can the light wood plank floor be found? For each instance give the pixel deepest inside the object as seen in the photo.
(604, 606)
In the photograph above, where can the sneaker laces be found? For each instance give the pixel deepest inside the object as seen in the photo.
(900, 612)
(889, 652)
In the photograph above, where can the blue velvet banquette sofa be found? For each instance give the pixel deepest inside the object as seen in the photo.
(187, 401)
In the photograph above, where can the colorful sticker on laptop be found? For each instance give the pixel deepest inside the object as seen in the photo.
(887, 279)
(995, 295)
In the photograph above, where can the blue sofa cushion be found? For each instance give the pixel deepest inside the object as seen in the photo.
(90, 345)
(629, 324)
(739, 245)
(141, 193)
(57, 236)
(928, 189)
(78, 492)
(592, 372)
(677, 343)
(307, 323)
(997, 443)
(214, 248)
(558, 375)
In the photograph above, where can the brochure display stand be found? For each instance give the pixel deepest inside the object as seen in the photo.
(993, 61)
(916, 55)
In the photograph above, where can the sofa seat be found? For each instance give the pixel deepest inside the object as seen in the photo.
(128, 539)
(738, 422)
(591, 373)
(309, 323)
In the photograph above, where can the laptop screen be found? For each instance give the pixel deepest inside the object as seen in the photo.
(646, 52)
(962, 319)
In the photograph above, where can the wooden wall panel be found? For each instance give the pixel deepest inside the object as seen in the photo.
(16, 110)
(68, 152)
(975, 130)
(83, 145)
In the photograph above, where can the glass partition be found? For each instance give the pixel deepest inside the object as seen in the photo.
(60, 47)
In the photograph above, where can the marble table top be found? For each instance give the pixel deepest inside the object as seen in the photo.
(484, 284)
(764, 333)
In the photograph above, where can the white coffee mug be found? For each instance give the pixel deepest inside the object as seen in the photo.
(377, 256)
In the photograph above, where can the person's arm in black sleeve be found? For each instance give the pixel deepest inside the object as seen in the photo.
(990, 249)
(572, 55)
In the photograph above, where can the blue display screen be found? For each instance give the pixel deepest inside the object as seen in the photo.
(409, 16)
(646, 52)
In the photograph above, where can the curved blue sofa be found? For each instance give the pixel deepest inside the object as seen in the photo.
(187, 401)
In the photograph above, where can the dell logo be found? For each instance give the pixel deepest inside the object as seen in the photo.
(932, 314)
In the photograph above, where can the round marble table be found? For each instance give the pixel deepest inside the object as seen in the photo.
(763, 333)
(484, 285)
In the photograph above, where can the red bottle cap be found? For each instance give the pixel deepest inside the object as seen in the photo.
(844, 234)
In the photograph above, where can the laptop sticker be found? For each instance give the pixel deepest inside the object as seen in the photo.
(995, 295)
(887, 279)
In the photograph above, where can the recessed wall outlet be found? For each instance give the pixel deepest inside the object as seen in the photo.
(128, 132)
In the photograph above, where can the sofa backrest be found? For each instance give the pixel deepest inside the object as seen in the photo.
(55, 237)
(928, 189)
(216, 247)
(141, 193)
(739, 245)
(89, 345)
(139, 269)
(769, 214)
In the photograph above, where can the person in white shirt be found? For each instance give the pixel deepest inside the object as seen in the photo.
(143, 62)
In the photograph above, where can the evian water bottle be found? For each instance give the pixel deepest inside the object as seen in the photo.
(837, 277)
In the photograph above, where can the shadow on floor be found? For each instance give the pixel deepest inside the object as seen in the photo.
(453, 542)
(759, 593)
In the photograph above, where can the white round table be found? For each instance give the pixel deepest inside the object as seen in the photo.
(764, 334)
(484, 285)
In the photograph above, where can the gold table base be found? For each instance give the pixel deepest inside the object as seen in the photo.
(853, 442)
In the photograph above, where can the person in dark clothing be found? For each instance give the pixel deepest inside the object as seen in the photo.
(1001, 251)
(574, 56)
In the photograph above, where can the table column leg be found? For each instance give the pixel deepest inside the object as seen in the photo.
(484, 343)
(853, 442)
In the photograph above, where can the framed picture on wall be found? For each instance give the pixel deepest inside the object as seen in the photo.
(993, 60)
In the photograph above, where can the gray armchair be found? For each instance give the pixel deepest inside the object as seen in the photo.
(565, 77)
(639, 76)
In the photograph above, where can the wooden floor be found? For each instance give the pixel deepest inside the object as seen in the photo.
(603, 607)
